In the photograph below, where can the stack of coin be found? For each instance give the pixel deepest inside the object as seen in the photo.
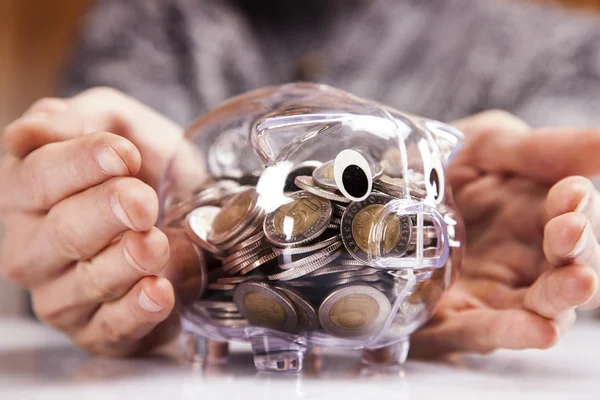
(307, 265)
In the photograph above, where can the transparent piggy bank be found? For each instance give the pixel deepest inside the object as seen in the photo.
(301, 216)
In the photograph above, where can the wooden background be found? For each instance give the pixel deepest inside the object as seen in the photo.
(35, 38)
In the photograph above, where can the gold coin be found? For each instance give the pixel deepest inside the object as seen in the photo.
(232, 213)
(265, 310)
(354, 312)
(301, 215)
(364, 221)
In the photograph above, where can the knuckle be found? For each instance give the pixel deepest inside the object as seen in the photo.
(34, 186)
(48, 105)
(104, 92)
(139, 201)
(95, 288)
(65, 238)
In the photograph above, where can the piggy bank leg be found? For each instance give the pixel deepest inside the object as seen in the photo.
(199, 349)
(393, 354)
(272, 353)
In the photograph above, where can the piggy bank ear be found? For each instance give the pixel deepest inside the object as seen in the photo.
(448, 139)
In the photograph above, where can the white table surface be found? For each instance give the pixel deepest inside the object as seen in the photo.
(37, 363)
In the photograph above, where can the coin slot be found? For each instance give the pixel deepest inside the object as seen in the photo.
(353, 175)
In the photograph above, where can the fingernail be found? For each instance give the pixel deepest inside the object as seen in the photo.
(110, 162)
(119, 212)
(130, 259)
(148, 304)
(581, 242)
(585, 200)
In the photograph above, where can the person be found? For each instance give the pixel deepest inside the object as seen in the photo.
(78, 184)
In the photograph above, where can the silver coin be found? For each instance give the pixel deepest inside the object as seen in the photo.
(221, 286)
(237, 279)
(235, 215)
(235, 258)
(334, 227)
(357, 222)
(354, 311)
(395, 187)
(262, 305)
(350, 262)
(304, 269)
(302, 284)
(429, 235)
(333, 269)
(343, 281)
(338, 209)
(298, 222)
(308, 320)
(258, 263)
(313, 257)
(260, 236)
(323, 176)
(206, 306)
(235, 268)
(198, 224)
(306, 183)
(288, 251)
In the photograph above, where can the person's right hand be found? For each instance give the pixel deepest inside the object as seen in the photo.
(79, 206)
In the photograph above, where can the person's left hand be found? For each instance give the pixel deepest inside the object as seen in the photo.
(532, 219)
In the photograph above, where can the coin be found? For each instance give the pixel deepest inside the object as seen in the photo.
(198, 224)
(264, 306)
(298, 222)
(255, 264)
(324, 176)
(308, 320)
(221, 286)
(307, 183)
(395, 187)
(305, 168)
(236, 214)
(354, 311)
(251, 240)
(253, 228)
(242, 255)
(313, 257)
(361, 217)
(304, 269)
(236, 267)
(307, 249)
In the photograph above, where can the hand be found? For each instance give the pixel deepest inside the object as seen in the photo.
(79, 206)
(532, 221)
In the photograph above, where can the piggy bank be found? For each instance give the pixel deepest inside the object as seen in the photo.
(301, 216)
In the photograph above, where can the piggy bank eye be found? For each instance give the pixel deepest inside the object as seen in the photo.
(435, 184)
(353, 175)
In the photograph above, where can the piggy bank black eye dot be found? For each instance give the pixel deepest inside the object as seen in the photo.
(434, 181)
(353, 175)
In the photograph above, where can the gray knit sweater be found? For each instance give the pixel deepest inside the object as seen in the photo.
(442, 59)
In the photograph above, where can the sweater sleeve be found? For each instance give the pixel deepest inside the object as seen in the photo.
(181, 57)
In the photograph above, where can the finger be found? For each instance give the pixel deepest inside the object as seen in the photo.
(546, 154)
(117, 328)
(575, 194)
(59, 170)
(561, 289)
(80, 226)
(68, 300)
(484, 330)
(48, 120)
(568, 239)
(105, 109)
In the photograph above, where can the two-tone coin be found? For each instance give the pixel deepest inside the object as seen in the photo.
(307, 183)
(354, 311)
(305, 269)
(198, 224)
(360, 219)
(308, 320)
(317, 245)
(300, 221)
(235, 215)
(395, 187)
(327, 251)
(262, 305)
(324, 176)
